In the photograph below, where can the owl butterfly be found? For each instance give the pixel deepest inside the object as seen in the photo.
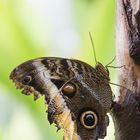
(78, 95)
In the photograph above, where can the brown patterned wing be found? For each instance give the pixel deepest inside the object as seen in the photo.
(78, 95)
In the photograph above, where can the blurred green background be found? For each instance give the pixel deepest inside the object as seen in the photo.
(34, 28)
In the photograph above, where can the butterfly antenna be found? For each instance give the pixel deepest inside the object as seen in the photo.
(93, 47)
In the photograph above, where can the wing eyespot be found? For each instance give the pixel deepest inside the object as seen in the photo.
(26, 80)
(69, 89)
(89, 119)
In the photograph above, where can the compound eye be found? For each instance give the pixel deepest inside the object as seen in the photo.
(26, 80)
(89, 119)
(69, 89)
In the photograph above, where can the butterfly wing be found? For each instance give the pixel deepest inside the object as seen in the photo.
(78, 95)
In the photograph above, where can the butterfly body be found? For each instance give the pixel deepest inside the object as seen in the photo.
(78, 95)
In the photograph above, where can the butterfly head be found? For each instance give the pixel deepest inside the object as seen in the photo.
(102, 70)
